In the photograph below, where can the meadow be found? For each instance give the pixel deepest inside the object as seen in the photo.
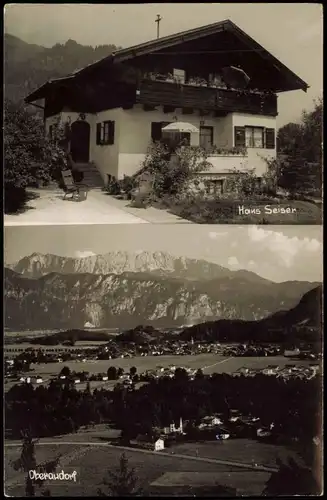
(92, 463)
(209, 363)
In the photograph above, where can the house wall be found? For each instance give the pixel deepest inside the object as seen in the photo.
(135, 133)
(51, 120)
(106, 157)
(256, 156)
(133, 136)
(222, 164)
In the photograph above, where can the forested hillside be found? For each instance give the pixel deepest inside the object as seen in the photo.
(28, 66)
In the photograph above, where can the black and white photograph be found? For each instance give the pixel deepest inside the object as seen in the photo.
(161, 113)
(163, 360)
(163, 250)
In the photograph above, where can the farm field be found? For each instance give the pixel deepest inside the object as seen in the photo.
(247, 451)
(91, 464)
(209, 363)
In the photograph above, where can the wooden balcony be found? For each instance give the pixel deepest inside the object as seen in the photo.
(156, 93)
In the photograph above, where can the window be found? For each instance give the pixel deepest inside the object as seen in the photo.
(105, 133)
(206, 137)
(156, 130)
(179, 75)
(239, 140)
(254, 137)
(270, 138)
(215, 187)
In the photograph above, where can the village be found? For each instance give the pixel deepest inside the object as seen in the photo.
(17, 360)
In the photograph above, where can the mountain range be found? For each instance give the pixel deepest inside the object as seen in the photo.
(126, 289)
(28, 66)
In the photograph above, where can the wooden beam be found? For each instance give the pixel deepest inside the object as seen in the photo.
(36, 105)
(220, 114)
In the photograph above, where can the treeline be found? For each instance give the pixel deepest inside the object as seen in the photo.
(70, 336)
(293, 405)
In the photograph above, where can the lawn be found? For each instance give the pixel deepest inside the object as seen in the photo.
(203, 211)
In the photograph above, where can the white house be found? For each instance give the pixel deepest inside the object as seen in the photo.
(153, 444)
(115, 106)
(289, 353)
(210, 421)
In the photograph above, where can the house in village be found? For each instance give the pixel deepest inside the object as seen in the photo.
(117, 105)
(149, 442)
(210, 421)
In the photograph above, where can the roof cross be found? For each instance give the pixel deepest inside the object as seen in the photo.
(158, 22)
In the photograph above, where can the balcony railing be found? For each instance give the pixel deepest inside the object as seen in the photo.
(155, 93)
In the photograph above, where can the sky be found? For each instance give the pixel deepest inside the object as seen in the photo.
(291, 32)
(278, 253)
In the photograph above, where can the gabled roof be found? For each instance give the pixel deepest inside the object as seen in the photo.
(153, 46)
(194, 34)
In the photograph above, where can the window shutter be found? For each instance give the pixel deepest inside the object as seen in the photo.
(239, 137)
(156, 132)
(270, 138)
(98, 139)
(111, 138)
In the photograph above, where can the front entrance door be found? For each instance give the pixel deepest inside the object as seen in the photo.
(80, 141)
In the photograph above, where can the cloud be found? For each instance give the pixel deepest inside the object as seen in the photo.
(285, 247)
(233, 262)
(82, 254)
(214, 235)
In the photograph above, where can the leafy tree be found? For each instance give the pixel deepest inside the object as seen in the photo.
(181, 375)
(30, 157)
(299, 147)
(199, 374)
(66, 372)
(27, 462)
(123, 482)
(112, 373)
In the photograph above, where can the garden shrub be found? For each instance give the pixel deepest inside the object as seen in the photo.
(30, 158)
(172, 173)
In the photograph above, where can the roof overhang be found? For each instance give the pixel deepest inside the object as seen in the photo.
(43, 91)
